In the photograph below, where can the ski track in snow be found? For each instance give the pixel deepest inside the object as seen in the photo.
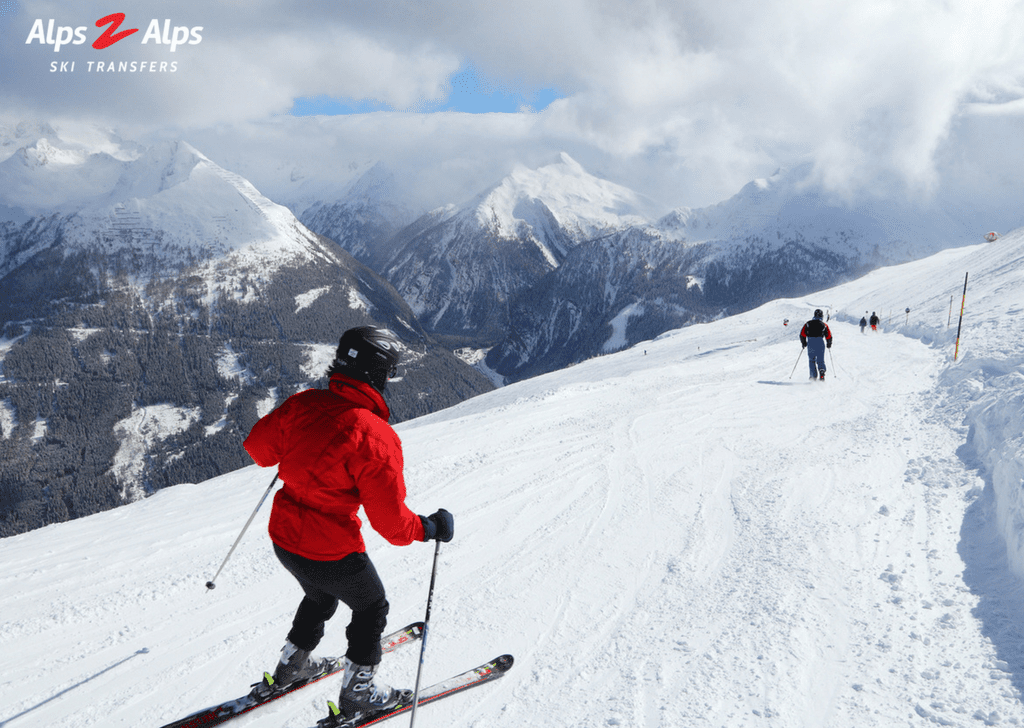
(676, 535)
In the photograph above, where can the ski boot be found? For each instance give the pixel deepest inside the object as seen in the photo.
(296, 666)
(361, 695)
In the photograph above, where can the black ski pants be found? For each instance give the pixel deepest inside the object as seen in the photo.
(352, 580)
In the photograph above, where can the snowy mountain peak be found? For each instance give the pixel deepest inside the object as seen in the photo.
(67, 143)
(15, 137)
(169, 200)
(570, 164)
(783, 180)
(43, 152)
(580, 203)
(197, 204)
(43, 169)
(162, 167)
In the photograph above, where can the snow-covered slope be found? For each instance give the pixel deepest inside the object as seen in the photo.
(680, 534)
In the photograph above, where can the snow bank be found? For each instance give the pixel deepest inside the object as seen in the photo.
(995, 442)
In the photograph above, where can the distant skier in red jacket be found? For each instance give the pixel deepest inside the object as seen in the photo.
(335, 452)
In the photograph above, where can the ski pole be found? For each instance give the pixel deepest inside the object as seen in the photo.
(833, 360)
(797, 362)
(423, 641)
(210, 584)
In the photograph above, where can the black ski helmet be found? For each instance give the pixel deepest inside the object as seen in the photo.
(818, 313)
(368, 354)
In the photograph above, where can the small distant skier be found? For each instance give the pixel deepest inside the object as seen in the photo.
(863, 324)
(815, 336)
(335, 451)
(874, 321)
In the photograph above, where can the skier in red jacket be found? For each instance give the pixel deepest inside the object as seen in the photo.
(335, 452)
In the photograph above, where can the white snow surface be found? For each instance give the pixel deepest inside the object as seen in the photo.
(305, 300)
(137, 434)
(230, 366)
(8, 417)
(618, 338)
(678, 534)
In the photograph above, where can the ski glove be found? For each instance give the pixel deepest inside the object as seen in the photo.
(829, 345)
(439, 525)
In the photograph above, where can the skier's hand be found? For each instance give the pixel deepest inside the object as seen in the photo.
(828, 345)
(803, 345)
(439, 526)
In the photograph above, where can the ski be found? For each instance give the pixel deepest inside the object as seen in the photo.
(217, 714)
(486, 672)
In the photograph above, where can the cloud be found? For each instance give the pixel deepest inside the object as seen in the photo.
(241, 65)
(683, 100)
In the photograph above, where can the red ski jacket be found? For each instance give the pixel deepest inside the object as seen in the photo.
(335, 452)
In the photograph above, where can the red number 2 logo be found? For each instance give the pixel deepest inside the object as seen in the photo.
(109, 38)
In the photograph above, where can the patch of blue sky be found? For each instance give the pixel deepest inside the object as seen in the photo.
(470, 93)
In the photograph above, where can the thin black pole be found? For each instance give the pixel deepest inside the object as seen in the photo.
(210, 584)
(423, 641)
(798, 356)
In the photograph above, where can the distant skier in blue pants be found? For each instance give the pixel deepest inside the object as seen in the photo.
(815, 336)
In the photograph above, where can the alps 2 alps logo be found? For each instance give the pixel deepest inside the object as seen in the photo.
(161, 34)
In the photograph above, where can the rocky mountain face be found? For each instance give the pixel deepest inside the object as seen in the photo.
(609, 292)
(153, 315)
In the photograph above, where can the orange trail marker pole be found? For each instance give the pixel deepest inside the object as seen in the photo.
(956, 351)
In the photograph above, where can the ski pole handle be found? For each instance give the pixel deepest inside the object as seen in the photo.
(210, 584)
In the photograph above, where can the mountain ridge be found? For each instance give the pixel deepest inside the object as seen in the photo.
(132, 314)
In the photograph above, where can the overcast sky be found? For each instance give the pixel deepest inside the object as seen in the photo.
(684, 101)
